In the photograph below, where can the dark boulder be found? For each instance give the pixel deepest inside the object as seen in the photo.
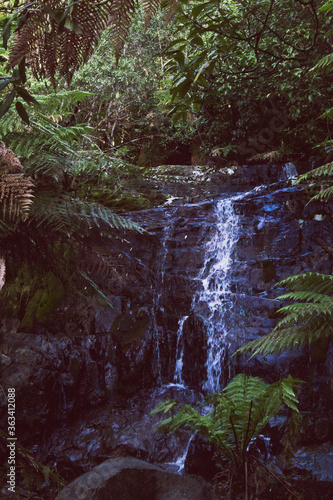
(128, 478)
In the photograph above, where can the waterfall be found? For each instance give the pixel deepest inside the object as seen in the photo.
(179, 353)
(288, 171)
(159, 287)
(213, 301)
(180, 460)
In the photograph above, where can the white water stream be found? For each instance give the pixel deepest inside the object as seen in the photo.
(213, 299)
(178, 378)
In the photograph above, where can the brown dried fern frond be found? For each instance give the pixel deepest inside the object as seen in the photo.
(120, 22)
(58, 39)
(15, 188)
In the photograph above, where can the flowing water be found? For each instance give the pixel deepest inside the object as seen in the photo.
(214, 294)
(178, 376)
(213, 299)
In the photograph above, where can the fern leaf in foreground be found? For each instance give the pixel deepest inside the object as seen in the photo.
(324, 65)
(304, 322)
(322, 175)
(15, 187)
(58, 38)
(318, 173)
(70, 215)
(236, 415)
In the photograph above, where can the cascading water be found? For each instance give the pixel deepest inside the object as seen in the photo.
(159, 285)
(178, 376)
(212, 302)
(213, 299)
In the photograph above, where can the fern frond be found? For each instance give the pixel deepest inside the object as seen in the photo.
(120, 22)
(305, 322)
(69, 215)
(324, 65)
(302, 313)
(15, 188)
(324, 175)
(57, 38)
(305, 296)
(149, 8)
(324, 195)
(308, 282)
(240, 412)
(318, 173)
(291, 338)
(64, 100)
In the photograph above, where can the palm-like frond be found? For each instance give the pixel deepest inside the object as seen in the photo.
(324, 65)
(59, 37)
(309, 282)
(15, 187)
(322, 175)
(70, 216)
(325, 171)
(239, 414)
(304, 322)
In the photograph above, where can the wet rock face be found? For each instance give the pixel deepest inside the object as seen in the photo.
(129, 478)
(124, 427)
(55, 381)
(71, 383)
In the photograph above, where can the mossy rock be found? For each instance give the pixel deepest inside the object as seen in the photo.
(28, 320)
(43, 303)
(131, 202)
(51, 299)
(19, 288)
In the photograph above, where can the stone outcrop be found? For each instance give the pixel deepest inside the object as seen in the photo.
(129, 479)
(94, 374)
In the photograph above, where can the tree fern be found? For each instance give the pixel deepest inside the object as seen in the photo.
(324, 65)
(236, 415)
(322, 175)
(304, 323)
(67, 215)
(15, 187)
(58, 38)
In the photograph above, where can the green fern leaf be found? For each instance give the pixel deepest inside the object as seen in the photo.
(240, 412)
(324, 65)
(324, 195)
(70, 215)
(313, 282)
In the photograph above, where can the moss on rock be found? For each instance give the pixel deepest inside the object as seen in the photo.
(50, 300)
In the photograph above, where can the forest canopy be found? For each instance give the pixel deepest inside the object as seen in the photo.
(238, 74)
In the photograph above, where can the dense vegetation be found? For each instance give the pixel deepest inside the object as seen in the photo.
(96, 94)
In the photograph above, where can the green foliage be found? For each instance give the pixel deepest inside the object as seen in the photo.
(235, 416)
(249, 63)
(306, 322)
(324, 65)
(32, 477)
(129, 112)
(70, 216)
(12, 88)
(62, 159)
(320, 177)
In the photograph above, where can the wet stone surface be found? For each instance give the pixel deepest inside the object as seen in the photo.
(91, 380)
